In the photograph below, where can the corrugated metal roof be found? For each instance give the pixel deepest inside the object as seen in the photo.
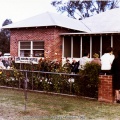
(108, 21)
(50, 19)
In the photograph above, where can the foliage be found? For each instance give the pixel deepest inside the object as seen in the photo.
(46, 76)
(91, 70)
(90, 79)
(11, 77)
(5, 38)
(4, 43)
(45, 65)
(83, 8)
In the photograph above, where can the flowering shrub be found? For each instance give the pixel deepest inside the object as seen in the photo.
(53, 77)
(10, 77)
(46, 66)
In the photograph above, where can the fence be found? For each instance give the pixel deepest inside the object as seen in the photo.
(49, 81)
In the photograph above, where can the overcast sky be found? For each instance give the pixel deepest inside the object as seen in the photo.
(17, 10)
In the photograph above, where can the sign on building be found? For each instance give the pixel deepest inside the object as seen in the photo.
(29, 60)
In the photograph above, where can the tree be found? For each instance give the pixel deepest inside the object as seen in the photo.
(6, 31)
(5, 37)
(81, 8)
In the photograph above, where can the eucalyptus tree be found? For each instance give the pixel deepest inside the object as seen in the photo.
(5, 37)
(81, 9)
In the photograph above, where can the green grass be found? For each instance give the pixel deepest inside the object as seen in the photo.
(49, 107)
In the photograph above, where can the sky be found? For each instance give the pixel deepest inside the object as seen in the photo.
(18, 10)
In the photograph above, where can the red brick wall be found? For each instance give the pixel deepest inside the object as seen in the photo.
(50, 36)
(105, 91)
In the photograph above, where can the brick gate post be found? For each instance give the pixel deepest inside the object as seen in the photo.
(105, 91)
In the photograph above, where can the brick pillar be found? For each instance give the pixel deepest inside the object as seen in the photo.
(105, 91)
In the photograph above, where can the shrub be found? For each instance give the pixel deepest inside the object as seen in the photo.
(90, 79)
(85, 83)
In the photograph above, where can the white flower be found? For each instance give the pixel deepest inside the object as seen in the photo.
(49, 82)
(46, 80)
(12, 78)
(71, 80)
(40, 80)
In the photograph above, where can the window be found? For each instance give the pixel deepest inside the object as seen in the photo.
(67, 46)
(31, 49)
(76, 47)
(95, 45)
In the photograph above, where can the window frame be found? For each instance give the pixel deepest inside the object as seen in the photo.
(32, 49)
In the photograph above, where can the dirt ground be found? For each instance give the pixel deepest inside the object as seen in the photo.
(11, 112)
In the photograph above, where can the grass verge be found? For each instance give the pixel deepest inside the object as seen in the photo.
(53, 107)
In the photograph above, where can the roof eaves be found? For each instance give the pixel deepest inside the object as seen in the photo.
(95, 33)
(26, 27)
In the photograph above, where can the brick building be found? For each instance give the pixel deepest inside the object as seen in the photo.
(55, 36)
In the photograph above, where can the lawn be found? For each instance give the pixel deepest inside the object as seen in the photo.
(53, 107)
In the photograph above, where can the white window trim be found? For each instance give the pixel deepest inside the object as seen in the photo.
(31, 47)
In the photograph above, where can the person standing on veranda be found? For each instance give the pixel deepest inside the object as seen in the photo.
(106, 61)
(96, 59)
(115, 70)
(85, 59)
(74, 67)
